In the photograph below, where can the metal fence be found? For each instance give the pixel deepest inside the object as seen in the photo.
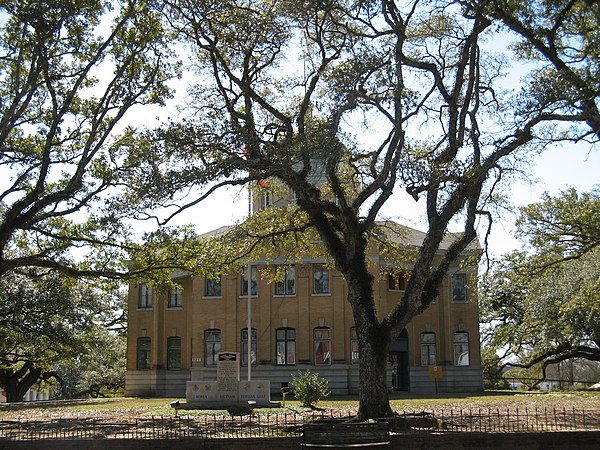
(290, 424)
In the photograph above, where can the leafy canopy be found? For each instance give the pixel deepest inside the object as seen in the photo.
(341, 104)
(69, 73)
(47, 320)
(542, 308)
(561, 40)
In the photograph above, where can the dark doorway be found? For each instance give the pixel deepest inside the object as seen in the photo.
(399, 361)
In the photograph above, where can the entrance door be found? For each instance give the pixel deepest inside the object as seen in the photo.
(399, 360)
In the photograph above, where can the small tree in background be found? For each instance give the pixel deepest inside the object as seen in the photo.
(541, 308)
(46, 321)
(309, 388)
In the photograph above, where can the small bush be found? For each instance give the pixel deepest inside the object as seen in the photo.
(308, 388)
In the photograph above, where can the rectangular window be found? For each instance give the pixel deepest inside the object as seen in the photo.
(396, 281)
(175, 297)
(144, 296)
(264, 199)
(212, 287)
(459, 288)
(174, 353)
(322, 345)
(288, 285)
(253, 282)
(461, 349)
(320, 279)
(353, 346)
(212, 346)
(293, 196)
(428, 349)
(286, 346)
(245, 347)
(143, 353)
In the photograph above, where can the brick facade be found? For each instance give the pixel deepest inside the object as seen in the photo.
(308, 314)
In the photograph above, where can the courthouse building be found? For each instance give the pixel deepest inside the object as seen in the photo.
(303, 321)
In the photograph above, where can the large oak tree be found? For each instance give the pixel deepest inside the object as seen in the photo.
(343, 102)
(69, 73)
(541, 307)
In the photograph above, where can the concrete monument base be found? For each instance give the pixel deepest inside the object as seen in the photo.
(228, 390)
(206, 394)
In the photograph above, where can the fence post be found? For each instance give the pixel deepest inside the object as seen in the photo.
(470, 419)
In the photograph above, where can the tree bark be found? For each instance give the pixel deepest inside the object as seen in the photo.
(13, 393)
(373, 395)
(16, 384)
(373, 343)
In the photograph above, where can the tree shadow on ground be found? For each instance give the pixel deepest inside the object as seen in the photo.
(43, 404)
(398, 395)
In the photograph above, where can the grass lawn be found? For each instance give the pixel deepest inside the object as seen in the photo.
(143, 407)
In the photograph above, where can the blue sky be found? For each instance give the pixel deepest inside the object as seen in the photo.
(553, 171)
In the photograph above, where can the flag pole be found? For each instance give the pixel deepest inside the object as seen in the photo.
(249, 338)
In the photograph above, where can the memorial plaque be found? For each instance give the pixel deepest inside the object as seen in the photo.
(201, 391)
(228, 376)
(228, 389)
(258, 391)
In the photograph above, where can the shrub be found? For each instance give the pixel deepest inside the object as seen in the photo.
(308, 388)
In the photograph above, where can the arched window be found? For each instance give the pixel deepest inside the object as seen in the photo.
(461, 348)
(174, 353)
(143, 353)
(212, 346)
(322, 345)
(285, 346)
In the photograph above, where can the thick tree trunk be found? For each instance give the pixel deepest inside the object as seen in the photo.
(13, 390)
(16, 384)
(372, 347)
(350, 256)
(373, 396)
(13, 394)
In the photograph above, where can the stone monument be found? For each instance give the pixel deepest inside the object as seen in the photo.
(228, 390)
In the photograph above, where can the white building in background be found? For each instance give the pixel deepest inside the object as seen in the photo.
(32, 395)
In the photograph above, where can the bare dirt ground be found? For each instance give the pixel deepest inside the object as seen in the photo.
(143, 417)
(118, 408)
(580, 400)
